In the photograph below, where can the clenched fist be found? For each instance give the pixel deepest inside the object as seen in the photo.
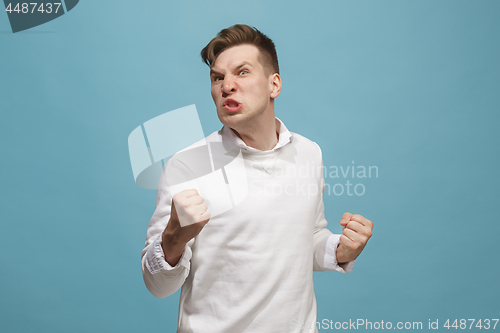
(356, 232)
(188, 208)
(187, 218)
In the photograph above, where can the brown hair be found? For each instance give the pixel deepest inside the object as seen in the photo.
(242, 34)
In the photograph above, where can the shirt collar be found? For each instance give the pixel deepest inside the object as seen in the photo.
(231, 140)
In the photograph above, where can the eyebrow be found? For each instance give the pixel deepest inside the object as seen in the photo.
(244, 63)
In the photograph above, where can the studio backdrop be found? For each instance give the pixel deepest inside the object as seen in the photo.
(402, 96)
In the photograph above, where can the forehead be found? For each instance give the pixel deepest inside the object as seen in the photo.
(235, 55)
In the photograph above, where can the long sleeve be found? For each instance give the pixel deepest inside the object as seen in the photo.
(325, 242)
(160, 278)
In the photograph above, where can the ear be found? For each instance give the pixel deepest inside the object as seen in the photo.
(275, 81)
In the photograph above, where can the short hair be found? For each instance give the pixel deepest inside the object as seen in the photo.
(242, 34)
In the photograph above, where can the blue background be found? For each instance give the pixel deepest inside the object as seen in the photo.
(411, 87)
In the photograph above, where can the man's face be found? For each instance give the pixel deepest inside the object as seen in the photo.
(241, 90)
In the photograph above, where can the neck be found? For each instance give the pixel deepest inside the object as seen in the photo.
(262, 135)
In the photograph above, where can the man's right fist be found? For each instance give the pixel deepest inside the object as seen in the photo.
(188, 208)
(187, 218)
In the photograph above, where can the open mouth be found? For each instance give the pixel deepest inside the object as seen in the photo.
(231, 105)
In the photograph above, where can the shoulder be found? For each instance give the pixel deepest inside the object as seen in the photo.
(305, 145)
(214, 137)
(192, 161)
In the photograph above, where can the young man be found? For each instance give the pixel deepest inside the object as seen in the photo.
(248, 269)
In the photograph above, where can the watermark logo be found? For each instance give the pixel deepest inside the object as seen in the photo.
(338, 180)
(25, 15)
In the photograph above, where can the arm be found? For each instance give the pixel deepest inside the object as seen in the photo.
(338, 252)
(325, 243)
(161, 278)
(166, 256)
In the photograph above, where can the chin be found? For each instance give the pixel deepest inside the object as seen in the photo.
(231, 120)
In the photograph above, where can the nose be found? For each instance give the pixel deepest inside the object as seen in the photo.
(228, 86)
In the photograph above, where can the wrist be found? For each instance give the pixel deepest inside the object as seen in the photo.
(342, 256)
(171, 244)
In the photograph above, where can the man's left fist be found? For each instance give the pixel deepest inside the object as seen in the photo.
(357, 230)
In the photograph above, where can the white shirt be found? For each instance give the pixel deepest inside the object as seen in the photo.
(250, 268)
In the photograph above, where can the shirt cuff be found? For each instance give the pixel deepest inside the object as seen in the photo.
(331, 256)
(155, 258)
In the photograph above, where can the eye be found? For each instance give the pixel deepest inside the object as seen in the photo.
(216, 78)
(243, 72)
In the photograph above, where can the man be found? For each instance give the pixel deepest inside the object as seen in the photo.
(248, 269)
